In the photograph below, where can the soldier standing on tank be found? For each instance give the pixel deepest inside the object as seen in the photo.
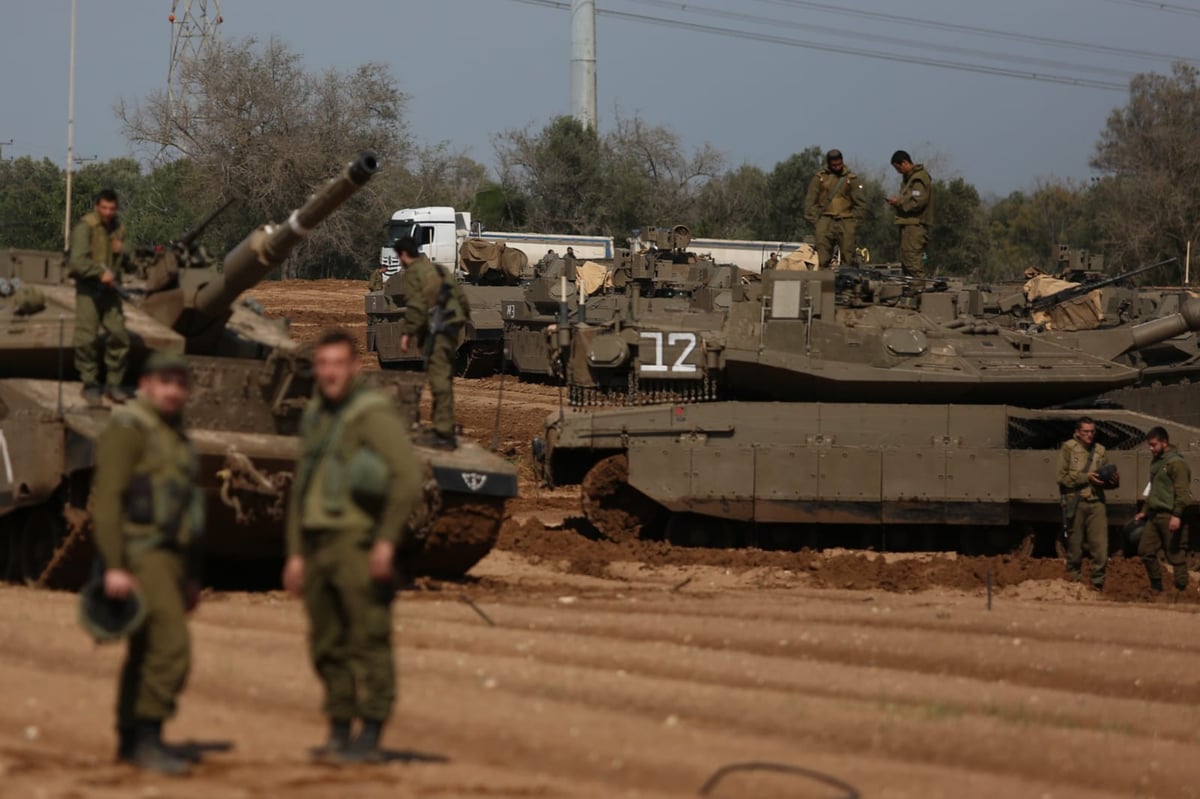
(377, 279)
(914, 215)
(772, 262)
(97, 243)
(1167, 496)
(357, 483)
(834, 205)
(148, 516)
(435, 310)
(1084, 514)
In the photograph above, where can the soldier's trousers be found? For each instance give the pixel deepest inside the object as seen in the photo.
(157, 662)
(831, 231)
(439, 370)
(350, 626)
(95, 312)
(913, 239)
(1157, 535)
(1090, 526)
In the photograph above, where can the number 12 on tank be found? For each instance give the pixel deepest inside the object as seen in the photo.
(668, 353)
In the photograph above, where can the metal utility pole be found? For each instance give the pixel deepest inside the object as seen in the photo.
(193, 35)
(70, 129)
(583, 61)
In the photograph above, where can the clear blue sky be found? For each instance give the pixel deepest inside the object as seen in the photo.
(474, 67)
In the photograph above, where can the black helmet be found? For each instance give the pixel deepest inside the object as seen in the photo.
(109, 619)
(1133, 531)
(1109, 475)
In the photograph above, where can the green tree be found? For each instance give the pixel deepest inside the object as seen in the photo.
(32, 194)
(959, 241)
(787, 185)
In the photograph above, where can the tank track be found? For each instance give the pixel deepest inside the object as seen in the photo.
(647, 392)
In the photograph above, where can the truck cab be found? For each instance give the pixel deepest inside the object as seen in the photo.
(439, 229)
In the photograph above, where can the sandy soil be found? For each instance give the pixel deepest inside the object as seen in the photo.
(586, 668)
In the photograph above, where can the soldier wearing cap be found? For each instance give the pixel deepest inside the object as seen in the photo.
(1082, 467)
(834, 206)
(148, 516)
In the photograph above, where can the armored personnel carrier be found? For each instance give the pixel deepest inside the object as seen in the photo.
(855, 422)
(251, 382)
(492, 276)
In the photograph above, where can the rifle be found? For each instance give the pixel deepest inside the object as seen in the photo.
(1083, 289)
(437, 317)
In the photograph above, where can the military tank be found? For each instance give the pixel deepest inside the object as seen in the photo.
(492, 278)
(855, 423)
(251, 381)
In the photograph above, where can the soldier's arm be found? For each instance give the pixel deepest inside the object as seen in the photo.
(292, 526)
(812, 211)
(117, 452)
(915, 196)
(858, 200)
(1181, 476)
(384, 431)
(81, 266)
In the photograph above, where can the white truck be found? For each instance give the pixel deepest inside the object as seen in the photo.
(441, 231)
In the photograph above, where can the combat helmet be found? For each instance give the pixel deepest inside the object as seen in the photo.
(108, 620)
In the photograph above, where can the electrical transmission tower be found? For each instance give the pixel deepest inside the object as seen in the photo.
(193, 36)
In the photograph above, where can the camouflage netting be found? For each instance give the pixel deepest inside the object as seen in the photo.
(492, 262)
(1082, 313)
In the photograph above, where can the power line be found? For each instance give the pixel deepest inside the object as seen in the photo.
(976, 30)
(981, 69)
(775, 22)
(1170, 8)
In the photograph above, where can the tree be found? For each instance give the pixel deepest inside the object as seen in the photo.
(958, 242)
(734, 205)
(787, 186)
(32, 194)
(264, 129)
(558, 169)
(1149, 156)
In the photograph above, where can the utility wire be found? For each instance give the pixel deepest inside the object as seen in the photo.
(939, 47)
(975, 30)
(1154, 5)
(981, 69)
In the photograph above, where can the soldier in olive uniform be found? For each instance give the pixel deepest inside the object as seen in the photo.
(435, 309)
(356, 486)
(1079, 462)
(914, 215)
(96, 256)
(771, 263)
(834, 205)
(1168, 495)
(148, 514)
(377, 279)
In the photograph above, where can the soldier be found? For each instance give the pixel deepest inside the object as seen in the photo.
(96, 255)
(377, 279)
(1167, 496)
(357, 484)
(771, 263)
(148, 516)
(914, 215)
(834, 205)
(435, 309)
(1085, 518)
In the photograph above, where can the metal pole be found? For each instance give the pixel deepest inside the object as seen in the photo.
(1187, 265)
(583, 62)
(70, 129)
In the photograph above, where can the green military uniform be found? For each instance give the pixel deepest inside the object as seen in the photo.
(1083, 508)
(914, 215)
(423, 284)
(834, 205)
(1170, 494)
(97, 307)
(147, 514)
(771, 263)
(332, 525)
(375, 282)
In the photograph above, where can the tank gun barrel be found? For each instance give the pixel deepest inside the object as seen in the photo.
(1186, 320)
(267, 247)
(189, 238)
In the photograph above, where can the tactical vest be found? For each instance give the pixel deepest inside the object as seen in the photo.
(1079, 458)
(1162, 484)
(342, 483)
(834, 193)
(100, 240)
(162, 504)
(436, 288)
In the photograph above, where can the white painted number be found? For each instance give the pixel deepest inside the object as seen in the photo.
(687, 340)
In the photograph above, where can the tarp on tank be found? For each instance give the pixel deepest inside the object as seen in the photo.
(492, 262)
(1081, 313)
(802, 259)
(593, 277)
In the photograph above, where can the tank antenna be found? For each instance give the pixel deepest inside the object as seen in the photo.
(61, 347)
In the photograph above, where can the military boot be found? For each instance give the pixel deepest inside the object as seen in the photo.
(93, 396)
(1181, 579)
(442, 441)
(126, 743)
(1156, 585)
(338, 741)
(118, 394)
(149, 753)
(364, 748)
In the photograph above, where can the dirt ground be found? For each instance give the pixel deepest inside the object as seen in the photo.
(572, 667)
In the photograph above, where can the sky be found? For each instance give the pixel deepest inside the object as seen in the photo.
(472, 68)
